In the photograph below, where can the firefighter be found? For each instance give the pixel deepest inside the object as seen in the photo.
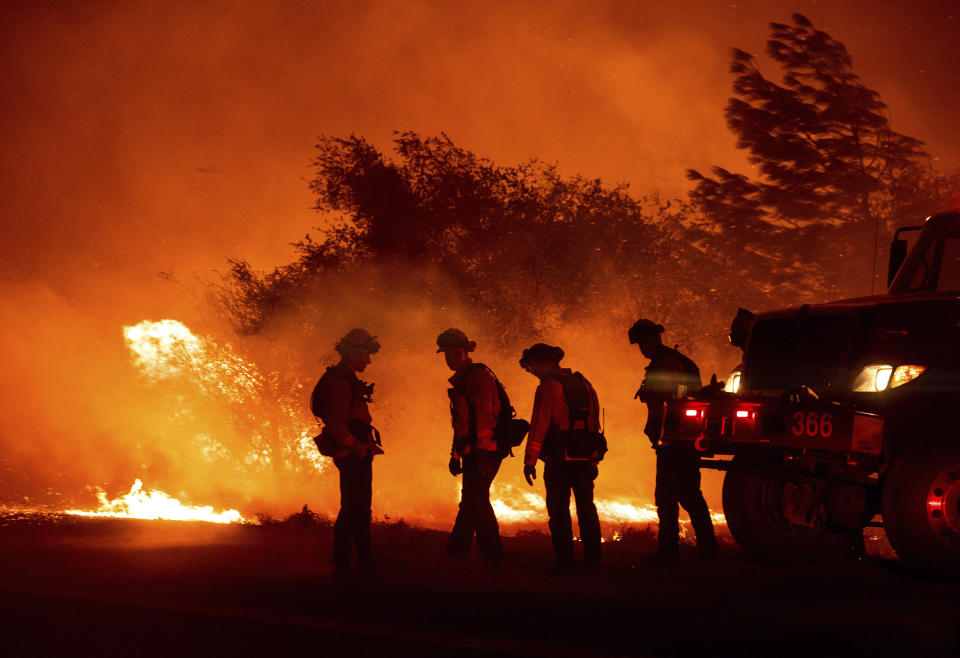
(475, 409)
(739, 332)
(340, 399)
(672, 375)
(565, 434)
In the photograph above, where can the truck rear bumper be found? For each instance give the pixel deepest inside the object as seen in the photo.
(728, 425)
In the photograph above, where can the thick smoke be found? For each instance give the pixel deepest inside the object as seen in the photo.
(104, 423)
(410, 401)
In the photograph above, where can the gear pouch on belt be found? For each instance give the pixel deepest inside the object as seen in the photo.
(366, 434)
(583, 445)
(510, 433)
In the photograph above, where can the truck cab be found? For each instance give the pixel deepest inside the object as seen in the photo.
(843, 412)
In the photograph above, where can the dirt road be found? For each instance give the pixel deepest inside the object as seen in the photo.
(137, 588)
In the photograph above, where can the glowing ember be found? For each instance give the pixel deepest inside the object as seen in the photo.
(139, 504)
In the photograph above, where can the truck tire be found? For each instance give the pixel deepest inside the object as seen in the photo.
(753, 504)
(921, 505)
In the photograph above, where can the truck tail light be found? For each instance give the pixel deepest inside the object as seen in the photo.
(692, 413)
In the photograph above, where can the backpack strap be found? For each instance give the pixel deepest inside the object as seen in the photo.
(359, 390)
(573, 443)
(576, 394)
(460, 388)
(690, 370)
(316, 398)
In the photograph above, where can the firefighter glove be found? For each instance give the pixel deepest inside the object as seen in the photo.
(454, 467)
(530, 473)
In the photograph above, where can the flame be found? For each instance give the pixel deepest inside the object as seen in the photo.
(156, 346)
(619, 511)
(140, 504)
(513, 506)
(167, 350)
(533, 507)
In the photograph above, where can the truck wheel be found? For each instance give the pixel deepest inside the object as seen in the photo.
(921, 505)
(777, 520)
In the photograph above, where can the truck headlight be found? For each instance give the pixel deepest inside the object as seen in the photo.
(904, 374)
(732, 385)
(878, 377)
(873, 378)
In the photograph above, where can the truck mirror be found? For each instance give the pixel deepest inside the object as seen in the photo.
(898, 253)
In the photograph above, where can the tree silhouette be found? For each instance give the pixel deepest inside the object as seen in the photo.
(524, 246)
(529, 250)
(831, 170)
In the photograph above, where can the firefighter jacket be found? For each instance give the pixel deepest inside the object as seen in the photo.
(670, 376)
(474, 408)
(551, 413)
(340, 400)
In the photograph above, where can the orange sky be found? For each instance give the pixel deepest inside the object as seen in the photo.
(151, 136)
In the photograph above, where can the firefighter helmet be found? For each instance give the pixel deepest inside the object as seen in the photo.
(453, 339)
(358, 340)
(642, 328)
(540, 352)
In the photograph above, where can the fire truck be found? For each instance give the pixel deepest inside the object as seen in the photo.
(845, 413)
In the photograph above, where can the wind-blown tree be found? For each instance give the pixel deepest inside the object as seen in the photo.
(832, 175)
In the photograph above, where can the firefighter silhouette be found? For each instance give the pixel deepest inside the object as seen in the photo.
(476, 407)
(565, 434)
(340, 399)
(669, 376)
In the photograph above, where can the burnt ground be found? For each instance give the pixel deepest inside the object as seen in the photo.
(141, 588)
